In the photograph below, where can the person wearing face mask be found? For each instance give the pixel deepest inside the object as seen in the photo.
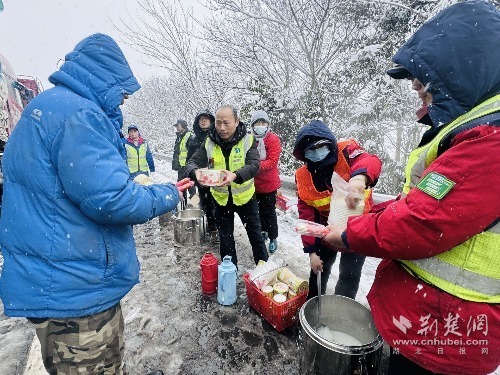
(440, 241)
(267, 181)
(317, 148)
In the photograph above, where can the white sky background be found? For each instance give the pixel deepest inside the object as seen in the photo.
(35, 34)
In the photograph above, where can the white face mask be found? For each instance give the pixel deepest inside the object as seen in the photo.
(260, 129)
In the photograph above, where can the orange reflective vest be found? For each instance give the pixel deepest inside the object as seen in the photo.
(306, 190)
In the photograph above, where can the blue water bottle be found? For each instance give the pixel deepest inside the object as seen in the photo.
(226, 291)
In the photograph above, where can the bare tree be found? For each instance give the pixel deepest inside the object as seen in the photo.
(291, 43)
(168, 34)
(299, 60)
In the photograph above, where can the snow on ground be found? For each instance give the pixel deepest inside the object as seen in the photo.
(171, 326)
(290, 244)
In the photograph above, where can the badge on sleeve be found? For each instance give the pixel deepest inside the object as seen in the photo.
(356, 152)
(436, 185)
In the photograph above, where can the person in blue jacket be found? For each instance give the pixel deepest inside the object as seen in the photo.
(139, 156)
(68, 210)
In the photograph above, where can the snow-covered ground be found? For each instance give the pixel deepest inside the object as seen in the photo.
(289, 244)
(171, 326)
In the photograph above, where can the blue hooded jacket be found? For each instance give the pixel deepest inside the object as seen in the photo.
(68, 203)
(442, 54)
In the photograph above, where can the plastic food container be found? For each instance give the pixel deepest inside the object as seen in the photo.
(296, 284)
(268, 290)
(210, 177)
(310, 228)
(279, 298)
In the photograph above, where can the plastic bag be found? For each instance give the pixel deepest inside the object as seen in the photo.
(339, 211)
(264, 274)
(310, 228)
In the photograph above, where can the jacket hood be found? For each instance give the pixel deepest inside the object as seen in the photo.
(97, 70)
(310, 133)
(241, 131)
(196, 126)
(453, 54)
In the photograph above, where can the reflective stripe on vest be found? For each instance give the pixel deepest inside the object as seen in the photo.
(306, 190)
(183, 151)
(241, 193)
(470, 269)
(136, 158)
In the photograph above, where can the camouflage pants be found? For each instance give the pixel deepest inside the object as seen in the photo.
(88, 345)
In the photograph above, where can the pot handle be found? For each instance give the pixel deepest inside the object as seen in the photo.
(363, 368)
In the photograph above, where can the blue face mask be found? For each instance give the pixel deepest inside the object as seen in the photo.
(259, 129)
(318, 154)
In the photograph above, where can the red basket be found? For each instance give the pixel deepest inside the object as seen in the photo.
(279, 315)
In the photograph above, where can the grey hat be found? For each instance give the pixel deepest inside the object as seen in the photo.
(182, 123)
(259, 115)
(132, 127)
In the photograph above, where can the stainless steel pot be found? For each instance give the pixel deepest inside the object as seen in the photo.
(189, 226)
(338, 313)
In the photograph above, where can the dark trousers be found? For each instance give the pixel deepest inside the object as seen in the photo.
(208, 206)
(350, 268)
(267, 213)
(399, 364)
(181, 173)
(249, 215)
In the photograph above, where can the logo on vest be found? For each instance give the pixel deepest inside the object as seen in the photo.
(436, 185)
(237, 150)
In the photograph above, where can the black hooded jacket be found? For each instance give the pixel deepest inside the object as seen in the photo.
(199, 134)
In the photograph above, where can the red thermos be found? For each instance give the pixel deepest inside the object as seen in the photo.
(209, 271)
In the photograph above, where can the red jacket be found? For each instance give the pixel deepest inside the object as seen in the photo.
(268, 178)
(359, 162)
(419, 226)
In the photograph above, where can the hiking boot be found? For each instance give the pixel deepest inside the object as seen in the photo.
(264, 236)
(273, 246)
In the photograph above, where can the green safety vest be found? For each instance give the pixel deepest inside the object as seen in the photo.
(136, 158)
(470, 270)
(183, 151)
(242, 193)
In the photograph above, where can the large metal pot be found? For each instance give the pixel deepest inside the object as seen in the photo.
(189, 226)
(338, 313)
